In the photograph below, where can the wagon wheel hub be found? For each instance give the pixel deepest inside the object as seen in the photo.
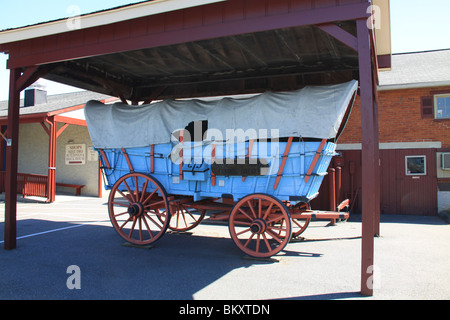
(258, 226)
(135, 209)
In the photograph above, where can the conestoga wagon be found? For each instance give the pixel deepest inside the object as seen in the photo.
(255, 162)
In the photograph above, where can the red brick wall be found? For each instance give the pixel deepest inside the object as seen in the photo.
(400, 119)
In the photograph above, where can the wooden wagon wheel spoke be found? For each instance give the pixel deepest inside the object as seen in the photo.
(130, 194)
(149, 197)
(245, 214)
(153, 220)
(249, 239)
(121, 214)
(184, 219)
(274, 236)
(155, 204)
(266, 242)
(132, 227)
(252, 209)
(144, 188)
(242, 232)
(119, 204)
(146, 199)
(269, 222)
(127, 197)
(123, 225)
(148, 229)
(140, 228)
(268, 211)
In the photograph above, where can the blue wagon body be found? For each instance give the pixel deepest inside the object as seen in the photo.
(197, 175)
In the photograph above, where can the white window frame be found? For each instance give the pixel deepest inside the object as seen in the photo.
(446, 95)
(424, 165)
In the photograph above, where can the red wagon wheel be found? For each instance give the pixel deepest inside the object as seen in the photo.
(260, 225)
(300, 225)
(184, 218)
(138, 208)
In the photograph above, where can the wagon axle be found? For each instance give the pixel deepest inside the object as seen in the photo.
(258, 226)
(135, 209)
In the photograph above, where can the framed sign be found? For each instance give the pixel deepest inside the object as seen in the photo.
(416, 165)
(92, 155)
(75, 154)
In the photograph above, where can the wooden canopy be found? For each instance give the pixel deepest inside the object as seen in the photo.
(167, 49)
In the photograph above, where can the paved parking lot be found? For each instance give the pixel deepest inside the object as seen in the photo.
(412, 259)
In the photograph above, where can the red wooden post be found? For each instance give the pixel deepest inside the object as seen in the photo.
(100, 184)
(181, 139)
(213, 159)
(332, 180)
(339, 185)
(51, 159)
(152, 158)
(378, 173)
(249, 153)
(12, 156)
(52, 162)
(369, 153)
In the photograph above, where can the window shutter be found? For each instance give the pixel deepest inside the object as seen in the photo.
(427, 107)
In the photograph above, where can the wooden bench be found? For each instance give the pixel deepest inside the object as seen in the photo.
(76, 186)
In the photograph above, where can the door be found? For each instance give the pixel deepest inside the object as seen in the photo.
(408, 181)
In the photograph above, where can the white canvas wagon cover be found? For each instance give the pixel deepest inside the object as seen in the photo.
(311, 112)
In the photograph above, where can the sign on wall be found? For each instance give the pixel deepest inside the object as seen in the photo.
(75, 154)
(92, 155)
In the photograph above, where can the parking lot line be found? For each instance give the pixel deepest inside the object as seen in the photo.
(55, 230)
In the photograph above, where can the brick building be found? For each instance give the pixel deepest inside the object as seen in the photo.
(414, 133)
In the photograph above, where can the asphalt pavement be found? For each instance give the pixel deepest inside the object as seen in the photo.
(69, 250)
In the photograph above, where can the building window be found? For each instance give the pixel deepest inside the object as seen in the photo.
(416, 165)
(442, 106)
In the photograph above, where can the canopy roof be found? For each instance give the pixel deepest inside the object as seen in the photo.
(171, 49)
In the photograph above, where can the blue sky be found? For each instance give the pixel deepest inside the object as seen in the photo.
(416, 25)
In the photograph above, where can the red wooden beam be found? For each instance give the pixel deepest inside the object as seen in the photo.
(105, 159)
(125, 154)
(61, 130)
(181, 139)
(283, 162)
(369, 160)
(12, 157)
(315, 159)
(172, 30)
(152, 158)
(249, 153)
(45, 128)
(340, 34)
(213, 159)
(68, 120)
(30, 76)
